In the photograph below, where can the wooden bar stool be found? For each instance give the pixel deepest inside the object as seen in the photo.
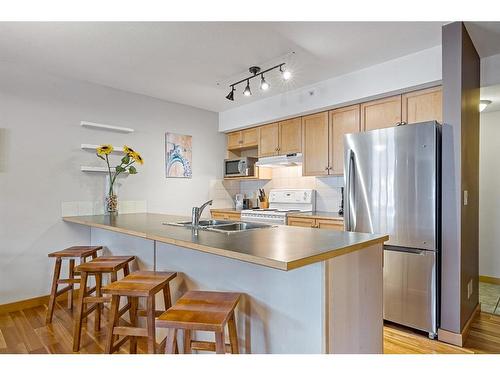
(71, 253)
(202, 311)
(97, 267)
(144, 284)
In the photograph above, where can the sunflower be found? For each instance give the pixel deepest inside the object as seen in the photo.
(137, 157)
(104, 150)
(128, 150)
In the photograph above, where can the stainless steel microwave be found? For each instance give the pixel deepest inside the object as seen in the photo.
(241, 167)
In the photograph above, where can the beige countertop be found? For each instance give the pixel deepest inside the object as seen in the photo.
(318, 215)
(280, 247)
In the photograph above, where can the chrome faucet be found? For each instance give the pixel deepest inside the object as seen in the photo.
(196, 213)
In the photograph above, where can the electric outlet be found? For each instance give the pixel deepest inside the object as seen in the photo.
(469, 289)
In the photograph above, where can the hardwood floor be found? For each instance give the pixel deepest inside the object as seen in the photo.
(484, 337)
(25, 331)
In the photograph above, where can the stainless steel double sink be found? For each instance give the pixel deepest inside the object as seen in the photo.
(222, 226)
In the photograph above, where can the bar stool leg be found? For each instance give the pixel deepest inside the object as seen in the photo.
(113, 320)
(53, 291)
(98, 285)
(187, 341)
(151, 324)
(79, 312)
(71, 275)
(134, 301)
(233, 336)
(167, 299)
(171, 343)
(220, 346)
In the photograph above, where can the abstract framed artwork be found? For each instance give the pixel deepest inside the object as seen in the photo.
(178, 155)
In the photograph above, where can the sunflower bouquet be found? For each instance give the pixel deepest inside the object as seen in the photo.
(126, 165)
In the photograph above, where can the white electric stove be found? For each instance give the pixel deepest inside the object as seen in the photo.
(282, 202)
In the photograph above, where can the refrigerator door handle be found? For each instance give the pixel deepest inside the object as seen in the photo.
(350, 189)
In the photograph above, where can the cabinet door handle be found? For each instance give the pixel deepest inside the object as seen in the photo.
(327, 168)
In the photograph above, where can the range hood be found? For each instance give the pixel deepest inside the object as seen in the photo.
(288, 160)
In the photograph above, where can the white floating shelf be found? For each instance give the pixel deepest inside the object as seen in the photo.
(96, 169)
(113, 128)
(86, 146)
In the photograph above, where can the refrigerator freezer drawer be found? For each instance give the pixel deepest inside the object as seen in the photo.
(410, 289)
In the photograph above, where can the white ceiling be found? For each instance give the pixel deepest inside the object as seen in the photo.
(486, 37)
(183, 62)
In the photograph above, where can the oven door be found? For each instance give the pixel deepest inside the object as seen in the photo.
(264, 219)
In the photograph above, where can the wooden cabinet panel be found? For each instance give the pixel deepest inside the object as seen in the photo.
(301, 222)
(316, 223)
(315, 144)
(250, 137)
(379, 114)
(329, 224)
(290, 136)
(423, 105)
(233, 140)
(342, 121)
(269, 140)
(226, 215)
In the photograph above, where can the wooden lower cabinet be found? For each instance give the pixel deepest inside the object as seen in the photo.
(218, 215)
(329, 224)
(301, 222)
(316, 223)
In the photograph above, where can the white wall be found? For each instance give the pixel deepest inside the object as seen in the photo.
(413, 70)
(489, 195)
(40, 158)
(490, 70)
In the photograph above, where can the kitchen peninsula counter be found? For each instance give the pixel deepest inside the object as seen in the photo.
(281, 247)
(305, 290)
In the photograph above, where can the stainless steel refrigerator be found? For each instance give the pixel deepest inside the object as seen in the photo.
(392, 181)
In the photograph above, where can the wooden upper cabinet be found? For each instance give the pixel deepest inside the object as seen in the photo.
(382, 113)
(315, 144)
(423, 105)
(342, 121)
(290, 136)
(269, 140)
(250, 137)
(233, 140)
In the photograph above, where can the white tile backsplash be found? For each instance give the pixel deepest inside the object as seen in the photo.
(328, 193)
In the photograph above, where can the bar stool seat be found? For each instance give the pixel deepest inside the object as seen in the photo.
(97, 267)
(144, 284)
(202, 311)
(72, 253)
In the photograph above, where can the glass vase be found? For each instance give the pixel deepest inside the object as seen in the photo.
(111, 204)
(111, 198)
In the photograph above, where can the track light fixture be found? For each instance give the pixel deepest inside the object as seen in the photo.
(247, 91)
(230, 96)
(285, 74)
(264, 85)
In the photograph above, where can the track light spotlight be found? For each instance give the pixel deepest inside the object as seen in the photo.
(285, 73)
(247, 91)
(263, 83)
(230, 96)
